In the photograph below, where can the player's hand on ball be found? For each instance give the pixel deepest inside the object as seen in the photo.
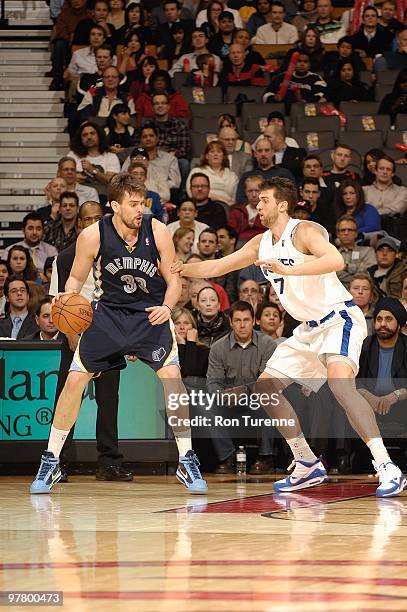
(273, 265)
(158, 314)
(131, 357)
(59, 295)
(177, 267)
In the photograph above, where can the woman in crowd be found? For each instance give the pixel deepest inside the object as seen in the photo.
(212, 324)
(215, 164)
(369, 166)
(120, 135)
(193, 354)
(179, 44)
(396, 102)
(269, 318)
(134, 20)
(364, 295)
(160, 82)
(183, 240)
(227, 120)
(345, 85)
(20, 263)
(131, 56)
(311, 44)
(211, 20)
(142, 76)
(350, 200)
(187, 213)
(116, 13)
(199, 283)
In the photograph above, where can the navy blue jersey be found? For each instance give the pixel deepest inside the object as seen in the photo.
(128, 275)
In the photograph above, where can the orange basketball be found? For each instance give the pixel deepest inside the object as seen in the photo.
(72, 314)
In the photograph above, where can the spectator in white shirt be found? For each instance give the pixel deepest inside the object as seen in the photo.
(215, 164)
(83, 60)
(89, 149)
(277, 32)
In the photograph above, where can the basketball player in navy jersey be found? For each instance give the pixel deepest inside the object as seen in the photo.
(298, 259)
(135, 293)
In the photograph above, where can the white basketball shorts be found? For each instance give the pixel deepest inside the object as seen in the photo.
(303, 357)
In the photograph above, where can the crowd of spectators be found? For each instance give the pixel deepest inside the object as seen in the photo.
(118, 63)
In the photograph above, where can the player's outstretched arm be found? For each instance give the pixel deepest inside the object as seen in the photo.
(310, 241)
(87, 247)
(245, 256)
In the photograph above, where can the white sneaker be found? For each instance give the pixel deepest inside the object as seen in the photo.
(392, 480)
(303, 476)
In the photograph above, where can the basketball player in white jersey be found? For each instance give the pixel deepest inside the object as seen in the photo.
(298, 259)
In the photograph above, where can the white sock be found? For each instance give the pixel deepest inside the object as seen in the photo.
(184, 442)
(301, 450)
(56, 440)
(378, 450)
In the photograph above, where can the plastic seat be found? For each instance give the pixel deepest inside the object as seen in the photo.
(387, 77)
(313, 142)
(212, 110)
(199, 141)
(401, 122)
(382, 90)
(395, 137)
(255, 110)
(208, 95)
(319, 124)
(254, 94)
(363, 141)
(363, 122)
(359, 108)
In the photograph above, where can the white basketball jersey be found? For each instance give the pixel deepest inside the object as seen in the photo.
(305, 297)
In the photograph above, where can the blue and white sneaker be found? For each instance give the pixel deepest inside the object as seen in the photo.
(303, 476)
(392, 479)
(189, 475)
(48, 474)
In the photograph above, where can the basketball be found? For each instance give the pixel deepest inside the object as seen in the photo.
(72, 314)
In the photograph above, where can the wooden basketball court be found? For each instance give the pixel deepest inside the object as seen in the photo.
(149, 546)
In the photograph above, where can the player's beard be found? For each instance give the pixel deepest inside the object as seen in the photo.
(130, 224)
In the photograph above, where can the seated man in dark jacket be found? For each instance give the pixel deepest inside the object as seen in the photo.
(372, 38)
(46, 327)
(383, 368)
(18, 323)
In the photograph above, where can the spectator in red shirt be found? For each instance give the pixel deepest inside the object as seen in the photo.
(244, 218)
(160, 83)
(239, 71)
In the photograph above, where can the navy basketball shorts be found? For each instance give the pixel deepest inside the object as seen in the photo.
(116, 332)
